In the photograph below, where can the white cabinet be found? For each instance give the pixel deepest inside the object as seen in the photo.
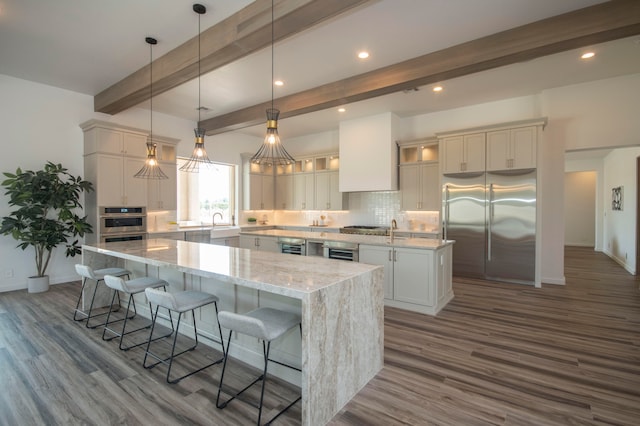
(261, 193)
(226, 241)
(259, 243)
(284, 192)
(420, 187)
(163, 193)
(328, 196)
(512, 148)
(303, 191)
(383, 256)
(258, 188)
(112, 157)
(198, 236)
(415, 279)
(463, 153)
(170, 235)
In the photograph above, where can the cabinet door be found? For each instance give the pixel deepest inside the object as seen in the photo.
(268, 192)
(378, 255)
(135, 189)
(498, 150)
(303, 191)
(268, 244)
(322, 191)
(430, 187)
(134, 145)
(109, 141)
(410, 187)
(335, 196)
(412, 276)
(109, 183)
(452, 154)
(474, 152)
(163, 193)
(248, 242)
(524, 147)
(284, 192)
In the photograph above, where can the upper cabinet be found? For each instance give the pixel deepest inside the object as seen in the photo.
(162, 194)
(368, 153)
(327, 182)
(284, 187)
(258, 186)
(419, 175)
(463, 153)
(112, 155)
(505, 146)
(512, 148)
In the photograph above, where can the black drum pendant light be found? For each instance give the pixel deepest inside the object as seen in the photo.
(199, 156)
(151, 168)
(272, 151)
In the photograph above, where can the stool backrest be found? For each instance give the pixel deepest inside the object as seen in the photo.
(116, 283)
(161, 298)
(85, 271)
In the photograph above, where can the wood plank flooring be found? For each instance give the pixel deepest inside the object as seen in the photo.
(497, 354)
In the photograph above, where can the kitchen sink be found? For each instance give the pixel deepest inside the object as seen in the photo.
(225, 231)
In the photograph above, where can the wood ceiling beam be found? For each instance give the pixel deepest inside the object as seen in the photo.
(596, 24)
(241, 34)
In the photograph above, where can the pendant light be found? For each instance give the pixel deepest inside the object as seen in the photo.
(199, 156)
(151, 168)
(272, 151)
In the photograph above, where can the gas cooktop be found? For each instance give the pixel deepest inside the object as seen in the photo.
(365, 230)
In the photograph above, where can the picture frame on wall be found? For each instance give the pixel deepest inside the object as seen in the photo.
(617, 198)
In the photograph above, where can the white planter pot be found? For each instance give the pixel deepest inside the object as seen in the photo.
(38, 284)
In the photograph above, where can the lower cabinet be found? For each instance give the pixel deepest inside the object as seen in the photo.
(259, 243)
(415, 279)
(198, 236)
(228, 241)
(175, 235)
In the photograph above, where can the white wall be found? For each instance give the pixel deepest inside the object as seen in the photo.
(580, 208)
(620, 226)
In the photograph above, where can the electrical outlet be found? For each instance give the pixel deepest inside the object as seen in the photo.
(8, 273)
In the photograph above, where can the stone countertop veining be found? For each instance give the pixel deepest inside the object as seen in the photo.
(421, 243)
(285, 274)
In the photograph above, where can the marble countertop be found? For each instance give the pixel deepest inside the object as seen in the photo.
(422, 243)
(285, 274)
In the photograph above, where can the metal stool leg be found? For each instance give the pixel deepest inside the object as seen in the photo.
(169, 360)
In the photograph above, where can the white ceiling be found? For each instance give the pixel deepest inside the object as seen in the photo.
(88, 45)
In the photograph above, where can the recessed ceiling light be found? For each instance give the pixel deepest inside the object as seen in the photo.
(588, 55)
(279, 83)
(363, 55)
(437, 89)
(342, 109)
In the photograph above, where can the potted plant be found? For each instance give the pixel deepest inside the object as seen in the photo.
(45, 216)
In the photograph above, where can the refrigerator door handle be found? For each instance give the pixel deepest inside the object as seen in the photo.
(446, 211)
(490, 222)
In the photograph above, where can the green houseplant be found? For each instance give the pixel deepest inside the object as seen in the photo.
(45, 203)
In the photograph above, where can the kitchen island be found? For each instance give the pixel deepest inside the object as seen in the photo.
(338, 355)
(417, 271)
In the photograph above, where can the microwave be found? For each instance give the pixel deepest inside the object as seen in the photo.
(123, 220)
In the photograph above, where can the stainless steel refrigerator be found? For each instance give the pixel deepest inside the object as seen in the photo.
(492, 218)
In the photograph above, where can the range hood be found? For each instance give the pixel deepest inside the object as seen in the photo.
(368, 153)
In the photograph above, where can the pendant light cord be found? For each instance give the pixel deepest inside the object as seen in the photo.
(199, 103)
(151, 93)
(272, 66)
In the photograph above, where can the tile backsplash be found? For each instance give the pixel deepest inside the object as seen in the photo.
(365, 208)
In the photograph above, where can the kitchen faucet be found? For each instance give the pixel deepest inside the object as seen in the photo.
(394, 225)
(213, 219)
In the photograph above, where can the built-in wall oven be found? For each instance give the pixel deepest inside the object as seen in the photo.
(292, 246)
(123, 224)
(341, 250)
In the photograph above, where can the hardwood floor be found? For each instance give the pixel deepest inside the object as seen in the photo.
(497, 354)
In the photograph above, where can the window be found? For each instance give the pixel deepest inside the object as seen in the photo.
(203, 194)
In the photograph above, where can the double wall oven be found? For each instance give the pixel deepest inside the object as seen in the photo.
(123, 224)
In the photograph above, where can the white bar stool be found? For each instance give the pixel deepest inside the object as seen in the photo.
(266, 324)
(130, 287)
(87, 273)
(179, 302)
